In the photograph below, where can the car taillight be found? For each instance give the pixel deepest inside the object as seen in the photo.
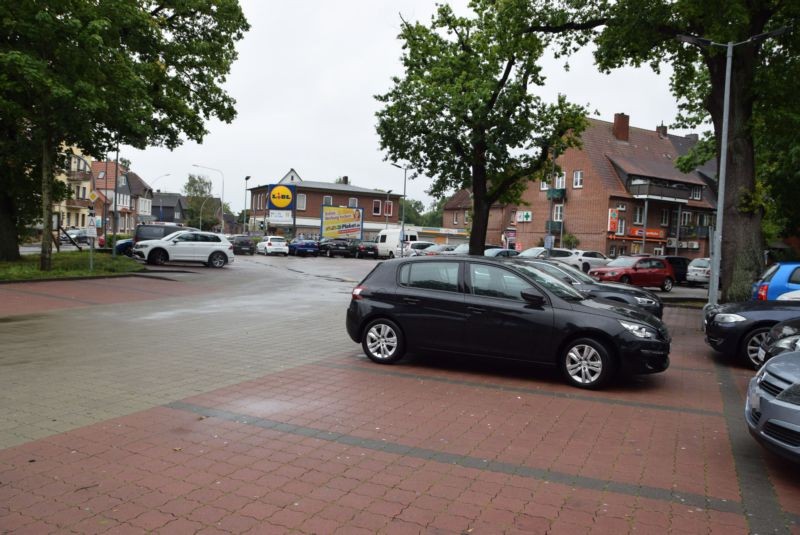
(762, 292)
(269, 243)
(357, 292)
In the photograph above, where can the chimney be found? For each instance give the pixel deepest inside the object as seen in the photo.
(662, 130)
(345, 180)
(620, 128)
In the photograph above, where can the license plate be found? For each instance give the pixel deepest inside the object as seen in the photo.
(755, 401)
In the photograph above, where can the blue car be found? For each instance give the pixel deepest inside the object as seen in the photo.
(300, 247)
(778, 279)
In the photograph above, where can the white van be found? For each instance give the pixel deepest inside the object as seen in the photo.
(389, 241)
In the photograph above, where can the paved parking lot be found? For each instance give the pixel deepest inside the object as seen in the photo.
(230, 401)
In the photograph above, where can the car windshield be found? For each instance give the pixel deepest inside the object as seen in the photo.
(277, 239)
(622, 261)
(422, 245)
(172, 236)
(533, 252)
(554, 284)
(559, 271)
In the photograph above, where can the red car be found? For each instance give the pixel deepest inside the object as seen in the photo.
(639, 271)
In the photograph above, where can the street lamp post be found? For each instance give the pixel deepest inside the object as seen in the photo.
(403, 212)
(201, 211)
(716, 251)
(385, 213)
(244, 210)
(222, 196)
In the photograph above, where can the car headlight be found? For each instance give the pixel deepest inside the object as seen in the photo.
(639, 330)
(790, 343)
(728, 318)
(644, 301)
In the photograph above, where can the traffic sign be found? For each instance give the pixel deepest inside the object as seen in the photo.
(524, 216)
(93, 196)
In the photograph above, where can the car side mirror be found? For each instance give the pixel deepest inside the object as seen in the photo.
(532, 296)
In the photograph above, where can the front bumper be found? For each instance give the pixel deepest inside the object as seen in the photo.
(638, 356)
(773, 423)
(724, 339)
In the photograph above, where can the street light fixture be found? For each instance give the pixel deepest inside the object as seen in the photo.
(222, 196)
(244, 210)
(385, 213)
(716, 251)
(403, 209)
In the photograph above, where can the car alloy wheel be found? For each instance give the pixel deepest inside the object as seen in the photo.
(585, 267)
(625, 279)
(158, 257)
(216, 260)
(383, 341)
(667, 285)
(328, 253)
(752, 343)
(586, 363)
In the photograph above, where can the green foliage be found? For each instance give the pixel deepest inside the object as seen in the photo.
(464, 113)
(434, 217)
(413, 211)
(571, 241)
(68, 264)
(203, 208)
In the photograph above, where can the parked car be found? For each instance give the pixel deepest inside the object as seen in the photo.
(778, 279)
(680, 266)
(331, 247)
(156, 230)
(498, 252)
(790, 296)
(124, 247)
(624, 293)
(243, 244)
(210, 249)
(642, 271)
(273, 245)
(698, 271)
(772, 409)
(78, 235)
(502, 308)
(739, 329)
(435, 250)
(363, 248)
(781, 338)
(302, 247)
(583, 260)
(413, 248)
(463, 249)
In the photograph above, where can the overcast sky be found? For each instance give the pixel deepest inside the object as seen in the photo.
(304, 85)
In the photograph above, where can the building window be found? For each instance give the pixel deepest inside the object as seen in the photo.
(301, 201)
(466, 216)
(83, 220)
(543, 186)
(697, 192)
(561, 181)
(612, 251)
(352, 202)
(122, 180)
(577, 179)
(703, 220)
(637, 215)
(621, 206)
(376, 207)
(686, 219)
(558, 212)
(387, 208)
(623, 250)
(455, 217)
(665, 217)
(620, 228)
(327, 200)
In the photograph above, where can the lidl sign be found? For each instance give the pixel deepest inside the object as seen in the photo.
(281, 197)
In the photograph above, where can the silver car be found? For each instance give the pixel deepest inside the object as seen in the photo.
(772, 410)
(699, 271)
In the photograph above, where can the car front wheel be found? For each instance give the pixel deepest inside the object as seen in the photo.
(751, 344)
(217, 260)
(667, 285)
(625, 279)
(586, 363)
(383, 342)
(158, 257)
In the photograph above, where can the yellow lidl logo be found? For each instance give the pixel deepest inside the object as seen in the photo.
(280, 196)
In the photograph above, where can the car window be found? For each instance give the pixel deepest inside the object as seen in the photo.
(533, 251)
(770, 272)
(699, 263)
(794, 278)
(556, 253)
(186, 236)
(276, 239)
(491, 281)
(657, 264)
(430, 275)
(622, 261)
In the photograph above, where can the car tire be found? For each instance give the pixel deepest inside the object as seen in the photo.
(587, 363)
(750, 344)
(666, 286)
(357, 255)
(391, 255)
(328, 253)
(625, 279)
(158, 257)
(217, 260)
(128, 251)
(585, 267)
(383, 342)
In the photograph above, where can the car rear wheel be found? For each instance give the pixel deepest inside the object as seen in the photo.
(586, 363)
(585, 267)
(391, 254)
(625, 279)
(158, 257)
(383, 342)
(217, 260)
(667, 285)
(751, 344)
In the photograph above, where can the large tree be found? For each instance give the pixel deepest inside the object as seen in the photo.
(463, 113)
(203, 209)
(99, 73)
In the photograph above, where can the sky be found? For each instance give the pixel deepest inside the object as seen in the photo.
(305, 82)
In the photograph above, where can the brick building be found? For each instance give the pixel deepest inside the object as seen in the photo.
(380, 208)
(619, 194)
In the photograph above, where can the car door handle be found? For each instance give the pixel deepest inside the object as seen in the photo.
(411, 300)
(478, 310)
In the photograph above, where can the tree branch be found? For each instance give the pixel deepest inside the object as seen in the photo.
(569, 26)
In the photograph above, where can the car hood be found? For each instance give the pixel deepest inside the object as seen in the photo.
(785, 366)
(755, 306)
(622, 311)
(786, 328)
(625, 289)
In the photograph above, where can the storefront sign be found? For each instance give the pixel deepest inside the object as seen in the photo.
(613, 219)
(651, 233)
(341, 222)
(280, 216)
(281, 197)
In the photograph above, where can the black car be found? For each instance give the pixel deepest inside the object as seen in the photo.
(363, 248)
(502, 308)
(243, 245)
(156, 231)
(680, 265)
(334, 246)
(782, 338)
(625, 293)
(738, 329)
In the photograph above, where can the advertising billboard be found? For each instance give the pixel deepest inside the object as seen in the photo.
(613, 219)
(342, 222)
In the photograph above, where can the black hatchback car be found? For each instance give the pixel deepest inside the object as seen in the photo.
(334, 246)
(243, 245)
(501, 308)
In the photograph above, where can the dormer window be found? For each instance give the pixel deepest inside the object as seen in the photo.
(697, 193)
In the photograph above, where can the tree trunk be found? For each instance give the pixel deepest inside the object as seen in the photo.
(45, 260)
(9, 244)
(742, 241)
(480, 210)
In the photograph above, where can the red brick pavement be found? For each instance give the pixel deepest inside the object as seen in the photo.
(346, 446)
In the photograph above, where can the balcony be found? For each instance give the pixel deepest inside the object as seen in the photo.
(649, 190)
(691, 232)
(552, 226)
(557, 194)
(79, 176)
